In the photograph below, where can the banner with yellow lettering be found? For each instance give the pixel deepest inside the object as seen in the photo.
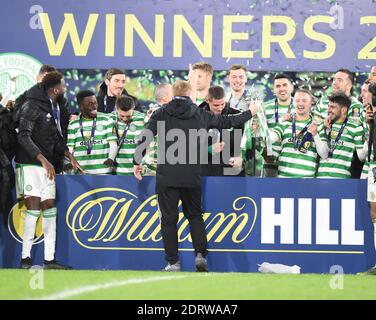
(306, 35)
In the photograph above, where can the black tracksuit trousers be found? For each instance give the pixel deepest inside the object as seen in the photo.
(168, 200)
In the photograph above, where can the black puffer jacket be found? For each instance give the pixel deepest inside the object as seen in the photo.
(107, 104)
(181, 113)
(63, 104)
(38, 131)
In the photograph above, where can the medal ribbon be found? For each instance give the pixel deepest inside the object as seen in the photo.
(88, 143)
(334, 146)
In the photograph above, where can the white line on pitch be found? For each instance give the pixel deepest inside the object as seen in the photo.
(91, 288)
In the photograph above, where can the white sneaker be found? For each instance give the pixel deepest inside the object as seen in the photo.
(172, 267)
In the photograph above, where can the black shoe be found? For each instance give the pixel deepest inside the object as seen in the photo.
(371, 271)
(26, 263)
(201, 263)
(54, 265)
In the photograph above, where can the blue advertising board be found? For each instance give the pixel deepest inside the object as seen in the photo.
(110, 222)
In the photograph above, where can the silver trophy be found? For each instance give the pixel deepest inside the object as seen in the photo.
(259, 124)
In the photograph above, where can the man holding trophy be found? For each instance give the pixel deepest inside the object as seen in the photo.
(256, 136)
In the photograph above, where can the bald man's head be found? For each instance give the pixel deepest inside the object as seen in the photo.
(163, 93)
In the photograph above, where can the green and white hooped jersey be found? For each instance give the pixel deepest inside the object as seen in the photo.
(356, 112)
(293, 163)
(150, 160)
(269, 109)
(124, 158)
(338, 166)
(365, 168)
(92, 163)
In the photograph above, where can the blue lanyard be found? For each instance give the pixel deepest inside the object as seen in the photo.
(122, 138)
(334, 146)
(276, 116)
(56, 115)
(88, 143)
(301, 134)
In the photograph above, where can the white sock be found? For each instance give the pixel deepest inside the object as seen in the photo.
(29, 232)
(49, 230)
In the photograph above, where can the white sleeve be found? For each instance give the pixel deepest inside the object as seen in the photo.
(362, 153)
(322, 147)
(113, 150)
(274, 137)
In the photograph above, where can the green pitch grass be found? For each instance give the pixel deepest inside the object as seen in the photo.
(144, 285)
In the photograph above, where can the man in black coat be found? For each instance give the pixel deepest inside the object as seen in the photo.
(65, 114)
(41, 146)
(112, 87)
(178, 177)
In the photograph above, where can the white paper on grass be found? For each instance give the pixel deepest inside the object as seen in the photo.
(267, 267)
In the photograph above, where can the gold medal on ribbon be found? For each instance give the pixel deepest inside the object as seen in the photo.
(334, 135)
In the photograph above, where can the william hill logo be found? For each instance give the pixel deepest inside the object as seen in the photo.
(115, 219)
